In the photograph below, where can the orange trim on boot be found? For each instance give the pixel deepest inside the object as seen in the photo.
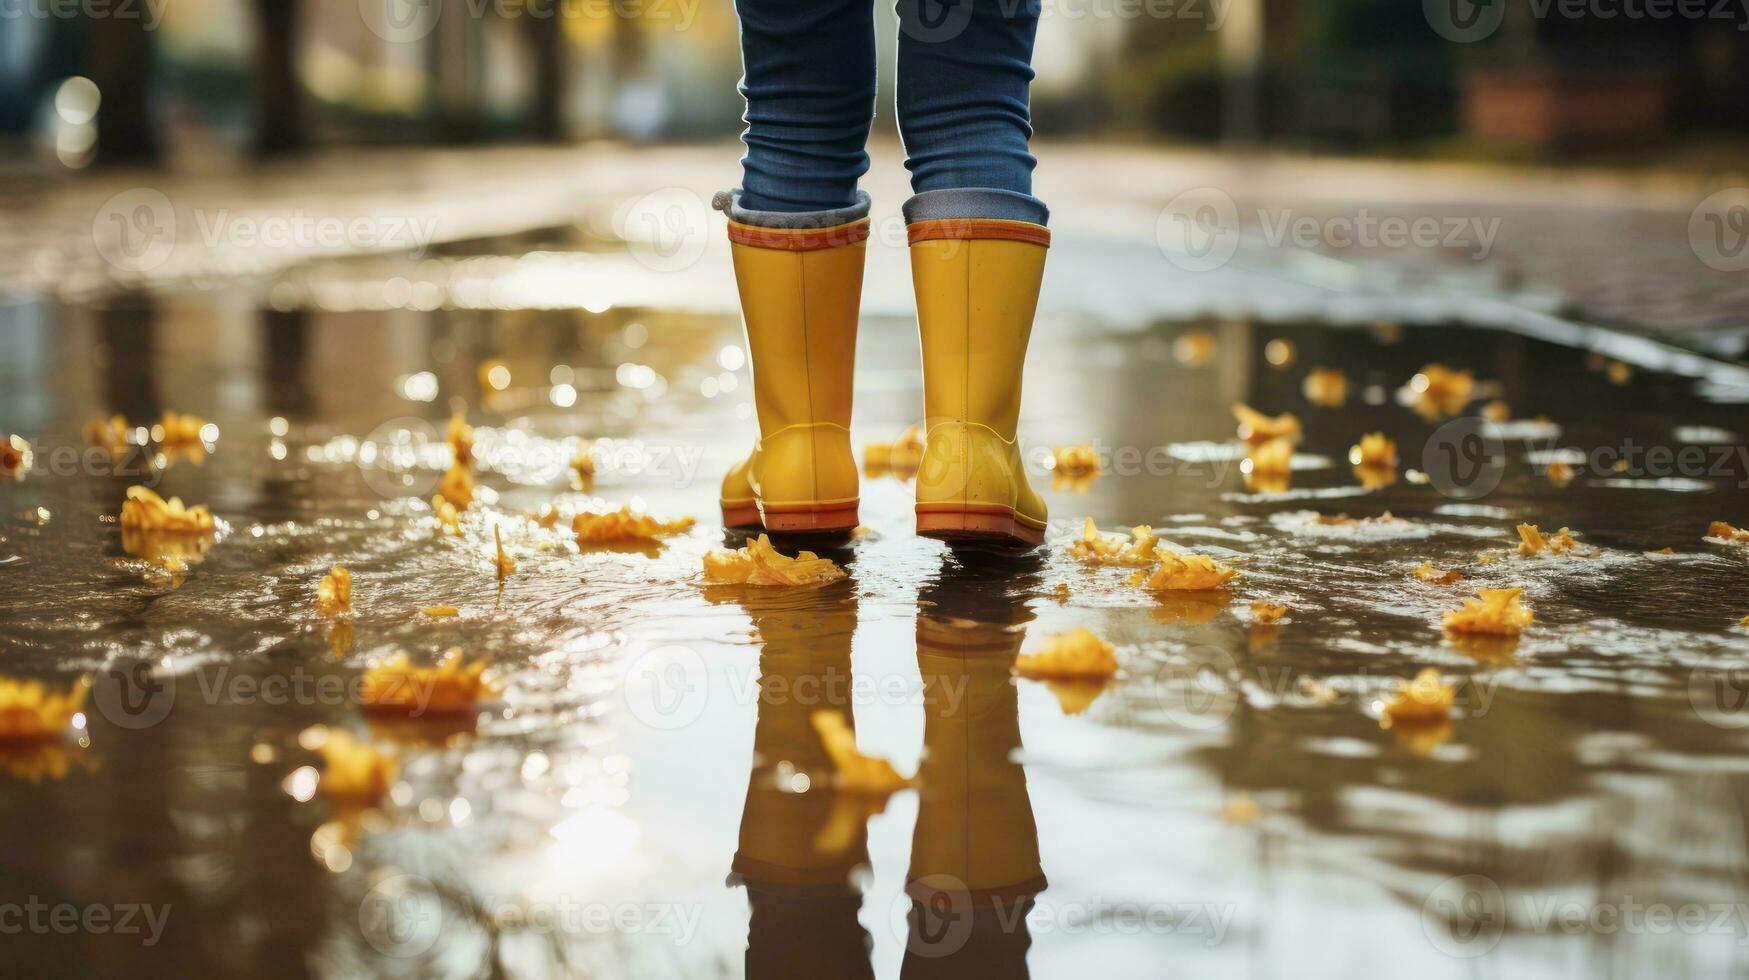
(799, 239)
(981, 229)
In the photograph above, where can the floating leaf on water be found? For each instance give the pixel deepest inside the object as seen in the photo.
(461, 439)
(1075, 655)
(759, 563)
(503, 563)
(1266, 613)
(144, 510)
(1096, 548)
(1061, 593)
(1425, 700)
(1427, 573)
(1720, 532)
(1240, 808)
(583, 464)
(334, 592)
(1374, 449)
(177, 429)
(854, 772)
(352, 772)
(1326, 387)
(624, 525)
(1257, 428)
(1531, 541)
(448, 518)
(30, 711)
(457, 486)
(1195, 348)
(1560, 473)
(114, 434)
(1494, 612)
(397, 686)
(1437, 391)
(1082, 460)
(1271, 458)
(1497, 411)
(1184, 573)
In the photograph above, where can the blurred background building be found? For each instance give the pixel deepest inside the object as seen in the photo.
(196, 83)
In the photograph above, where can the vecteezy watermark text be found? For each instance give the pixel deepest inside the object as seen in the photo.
(37, 916)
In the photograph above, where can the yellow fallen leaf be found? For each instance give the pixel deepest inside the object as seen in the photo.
(1273, 457)
(448, 518)
(398, 687)
(854, 772)
(439, 611)
(583, 464)
(624, 525)
(1376, 477)
(1077, 654)
(503, 562)
(1374, 449)
(144, 510)
(1497, 411)
(1440, 391)
(1240, 808)
(113, 434)
(1326, 387)
(1184, 573)
(1195, 348)
(908, 452)
(1257, 428)
(1495, 612)
(1619, 373)
(1427, 573)
(177, 429)
(759, 563)
(1061, 593)
(1096, 548)
(1317, 691)
(1266, 613)
(1560, 473)
(1424, 700)
(352, 772)
(1533, 542)
(457, 486)
(1080, 460)
(334, 592)
(1724, 532)
(30, 711)
(461, 439)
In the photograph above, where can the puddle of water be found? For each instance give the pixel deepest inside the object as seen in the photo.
(654, 737)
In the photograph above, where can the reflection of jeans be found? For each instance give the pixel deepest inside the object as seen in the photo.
(964, 68)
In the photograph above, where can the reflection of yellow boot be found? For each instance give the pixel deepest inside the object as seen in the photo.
(977, 284)
(975, 839)
(792, 834)
(800, 292)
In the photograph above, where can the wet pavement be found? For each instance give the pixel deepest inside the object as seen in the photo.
(648, 797)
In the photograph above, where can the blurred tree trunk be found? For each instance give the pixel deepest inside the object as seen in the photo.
(119, 57)
(546, 41)
(279, 106)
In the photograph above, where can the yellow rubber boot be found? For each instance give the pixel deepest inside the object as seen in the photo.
(977, 284)
(800, 292)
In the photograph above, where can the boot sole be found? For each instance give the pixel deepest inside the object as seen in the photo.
(979, 527)
(741, 516)
(825, 519)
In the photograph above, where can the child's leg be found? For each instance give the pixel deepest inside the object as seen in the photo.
(964, 71)
(809, 81)
(977, 256)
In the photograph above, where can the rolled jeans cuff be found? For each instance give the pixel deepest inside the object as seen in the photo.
(976, 202)
(729, 202)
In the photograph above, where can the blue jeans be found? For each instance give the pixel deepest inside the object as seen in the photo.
(809, 81)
